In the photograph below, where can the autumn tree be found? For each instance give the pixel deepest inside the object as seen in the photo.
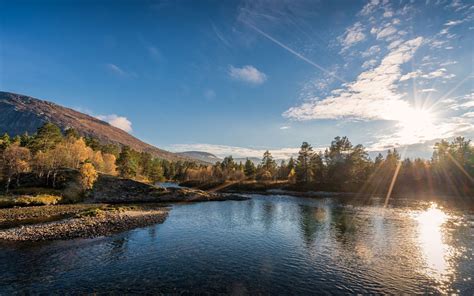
(109, 164)
(88, 175)
(4, 142)
(15, 160)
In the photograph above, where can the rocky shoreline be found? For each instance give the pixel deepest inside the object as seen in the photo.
(114, 205)
(94, 222)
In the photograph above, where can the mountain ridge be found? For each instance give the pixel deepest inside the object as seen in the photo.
(21, 113)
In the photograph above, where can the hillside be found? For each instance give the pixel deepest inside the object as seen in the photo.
(19, 114)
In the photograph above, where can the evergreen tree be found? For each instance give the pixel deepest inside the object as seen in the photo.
(46, 138)
(303, 168)
(127, 165)
(316, 167)
(291, 164)
(283, 171)
(228, 163)
(156, 171)
(25, 139)
(71, 133)
(268, 164)
(249, 168)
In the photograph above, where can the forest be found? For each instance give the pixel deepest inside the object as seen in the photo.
(342, 167)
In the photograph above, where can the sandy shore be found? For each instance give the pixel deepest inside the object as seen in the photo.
(87, 222)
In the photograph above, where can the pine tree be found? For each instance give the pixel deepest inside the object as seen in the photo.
(46, 138)
(268, 164)
(303, 163)
(249, 168)
(126, 164)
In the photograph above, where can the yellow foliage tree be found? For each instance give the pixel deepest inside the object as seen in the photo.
(88, 175)
(109, 164)
(15, 161)
(97, 160)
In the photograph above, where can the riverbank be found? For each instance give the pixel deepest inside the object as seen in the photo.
(76, 221)
(307, 190)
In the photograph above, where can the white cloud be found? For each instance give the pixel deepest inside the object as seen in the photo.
(371, 96)
(285, 127)
(371, 51)
(387, 31)
(248, 74)
(468, 115)
(388, 13)
(440, 73)
(353, 35)
(427, 90)
(447, 63)
(460, 103)
(369, 7)
(394, 44)
(369, 64)
(236, 152)
(120, 122)
(410, 75)
(453, 23)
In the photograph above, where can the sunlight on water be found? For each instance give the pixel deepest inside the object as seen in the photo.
(435, 251)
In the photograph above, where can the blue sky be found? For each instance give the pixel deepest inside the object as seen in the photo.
(239, 77)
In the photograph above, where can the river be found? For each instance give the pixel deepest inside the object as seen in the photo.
(268, 244)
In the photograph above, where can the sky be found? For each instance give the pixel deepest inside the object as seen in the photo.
(240, 77)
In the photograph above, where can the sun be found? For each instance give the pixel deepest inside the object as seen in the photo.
(416, 125)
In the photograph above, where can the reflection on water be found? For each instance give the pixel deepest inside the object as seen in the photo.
(265, 245)
(430, 236)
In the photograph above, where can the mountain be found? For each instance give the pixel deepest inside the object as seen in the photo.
(20, 114)
(200, 155)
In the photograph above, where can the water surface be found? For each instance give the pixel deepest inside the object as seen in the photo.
(268, 244)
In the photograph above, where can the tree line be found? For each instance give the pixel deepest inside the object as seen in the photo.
(49, 150)
(348, 168)
(341, 167)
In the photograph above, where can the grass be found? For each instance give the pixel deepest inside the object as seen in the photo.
(97, 212)
(28, 200)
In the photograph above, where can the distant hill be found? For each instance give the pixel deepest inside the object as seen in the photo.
(255, 160)
(211, 158)
(200, 155)
(20, 114)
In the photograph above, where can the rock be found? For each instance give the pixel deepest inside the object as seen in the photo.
(111, 189)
